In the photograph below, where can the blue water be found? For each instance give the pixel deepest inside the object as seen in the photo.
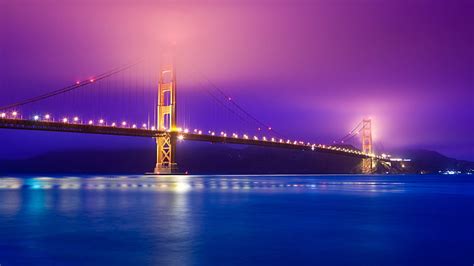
(237, 220)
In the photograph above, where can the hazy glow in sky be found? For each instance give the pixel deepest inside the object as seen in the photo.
(308, 68)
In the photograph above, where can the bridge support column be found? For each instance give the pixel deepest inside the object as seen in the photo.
(166, 120)
(368, 165)
(165, 154)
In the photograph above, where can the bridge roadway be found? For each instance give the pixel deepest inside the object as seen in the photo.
(22, 124)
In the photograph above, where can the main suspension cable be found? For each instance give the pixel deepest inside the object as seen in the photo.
(75, 86)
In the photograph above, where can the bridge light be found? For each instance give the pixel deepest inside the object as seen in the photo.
(200, 132)
(255, 137)
(213, 133)
(269, 128)
(186, 130)
(101, 121)
(76, 119)
(180, 137)
(91, 80)
(77, 82)
(264, 138)
(3, 115)
(47, 116)
(153, 128)
(273, 139)
(65, 120)
(245, 136)
(225, 135)
(14, 113)
(91, 122)
(36, 117)
(195, 130)
(134, 126)
(124, 123)
(144, 126)
(114, 124)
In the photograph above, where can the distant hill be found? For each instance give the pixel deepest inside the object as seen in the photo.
(217, 159)
(432, 162)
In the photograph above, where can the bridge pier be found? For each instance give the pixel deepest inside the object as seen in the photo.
(165, 155)
(368, 165)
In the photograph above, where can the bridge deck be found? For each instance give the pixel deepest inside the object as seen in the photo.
(22, 124)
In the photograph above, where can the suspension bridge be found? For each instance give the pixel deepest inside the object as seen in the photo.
(162, 122)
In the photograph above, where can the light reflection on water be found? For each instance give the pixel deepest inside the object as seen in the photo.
(231, 220)
(183, 184)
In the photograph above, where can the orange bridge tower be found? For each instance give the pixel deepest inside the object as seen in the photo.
(368, 164)
(166, 118)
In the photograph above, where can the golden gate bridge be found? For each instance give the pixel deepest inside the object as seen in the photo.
(167, 131)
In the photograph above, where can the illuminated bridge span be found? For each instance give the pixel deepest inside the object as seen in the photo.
(195, 135)
(165, 127)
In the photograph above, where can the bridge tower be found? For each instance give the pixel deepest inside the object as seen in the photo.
(166, 118)
(368, 164)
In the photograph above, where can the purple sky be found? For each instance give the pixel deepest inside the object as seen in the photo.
(311, 69)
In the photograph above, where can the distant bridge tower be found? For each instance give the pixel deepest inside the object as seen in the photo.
(368, 164)
(166, 143)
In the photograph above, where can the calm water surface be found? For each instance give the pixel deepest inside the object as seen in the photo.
(237, 220)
